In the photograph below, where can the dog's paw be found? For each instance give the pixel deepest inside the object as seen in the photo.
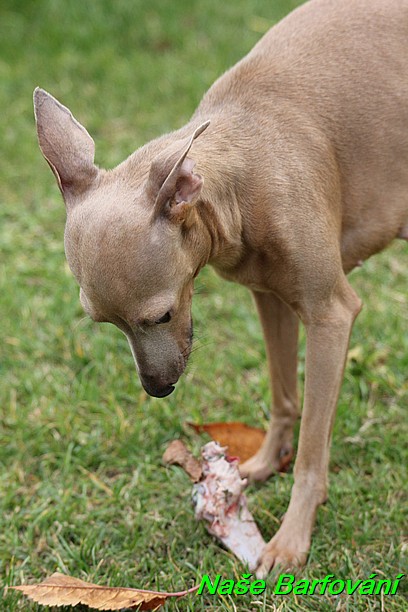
(258, 468)
(281, 551)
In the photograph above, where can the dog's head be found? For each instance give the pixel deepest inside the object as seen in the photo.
(127, 239)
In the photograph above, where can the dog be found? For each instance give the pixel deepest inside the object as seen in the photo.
(292, 171)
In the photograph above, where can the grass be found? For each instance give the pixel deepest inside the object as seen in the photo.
(82, 488)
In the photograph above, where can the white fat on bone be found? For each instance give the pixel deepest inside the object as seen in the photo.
(218, 499)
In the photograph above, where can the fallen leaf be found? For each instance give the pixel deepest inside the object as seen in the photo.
(177, 453)
(61, 590)
(242, 440)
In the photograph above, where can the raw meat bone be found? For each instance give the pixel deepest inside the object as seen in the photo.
(218, 499)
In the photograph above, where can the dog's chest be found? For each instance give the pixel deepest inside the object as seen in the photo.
(260, 271)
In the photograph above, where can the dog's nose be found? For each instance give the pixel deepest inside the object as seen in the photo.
(154, 388)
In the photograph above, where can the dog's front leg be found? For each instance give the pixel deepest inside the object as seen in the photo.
(328, 328)
(280, 327)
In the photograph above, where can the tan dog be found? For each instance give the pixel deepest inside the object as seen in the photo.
(299, 172)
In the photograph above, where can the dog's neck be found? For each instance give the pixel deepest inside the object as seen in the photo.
(219, 208)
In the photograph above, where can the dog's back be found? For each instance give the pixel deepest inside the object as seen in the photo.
(341, 69)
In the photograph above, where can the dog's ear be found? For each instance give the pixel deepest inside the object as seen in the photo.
(65, 144)
(174, 184)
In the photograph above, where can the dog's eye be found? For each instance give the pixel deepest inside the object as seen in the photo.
(164, 319)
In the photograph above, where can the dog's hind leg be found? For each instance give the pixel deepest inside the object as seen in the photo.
(280, 327)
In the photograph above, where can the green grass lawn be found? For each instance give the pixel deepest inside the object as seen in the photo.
(82, 487)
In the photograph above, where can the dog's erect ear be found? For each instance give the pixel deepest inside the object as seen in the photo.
(65, 144)
(174, 184)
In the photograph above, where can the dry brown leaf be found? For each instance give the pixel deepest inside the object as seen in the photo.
(177, 453)
(61, 590)
(242, 440)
